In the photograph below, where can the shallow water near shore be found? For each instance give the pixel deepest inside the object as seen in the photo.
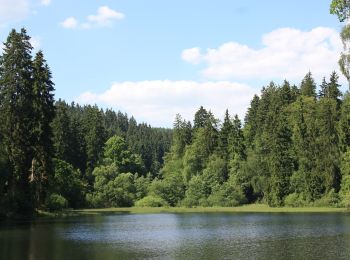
(180, 236)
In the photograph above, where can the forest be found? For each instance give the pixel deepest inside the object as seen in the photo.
(292, 149)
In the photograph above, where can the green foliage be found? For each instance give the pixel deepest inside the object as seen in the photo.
(308, 86)
(215, 173)
(196, 193)
(142, 186)
(26, 113)
(292, 150)
(341, 8)
(329, 199)
(151, 201)
(344, 123)
(112, 189)
(229, 194)
(182, 136)
(55, 202)
(67, 183)
(95, 137)
(171, 189)
(295, 200)
(344, 192)
(117, 151)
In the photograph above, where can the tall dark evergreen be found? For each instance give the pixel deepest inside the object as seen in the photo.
(43, 114)
(17, 112)
(200, 118)
(308, 86)
(323, 88)
(251, 121)
(225, 131)
(333, 90)
(95, 138)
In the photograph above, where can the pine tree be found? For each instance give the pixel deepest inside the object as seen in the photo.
(95, 138)
(308, 86)
(328, 158)
(17, 113)
(281, 163)
(43, 105)
(61, 132)
(344, 124)
(250, 120)
(200, 118)
(323, 88)
(333, 90)
(224, 136)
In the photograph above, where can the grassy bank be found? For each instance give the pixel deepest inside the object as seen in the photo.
(246, 208)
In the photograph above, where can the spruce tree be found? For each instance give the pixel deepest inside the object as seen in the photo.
(308, 86)
(43, 106)
(333, 90)
(224, 136)
(200, 118)
(17, 113)
(323, 88)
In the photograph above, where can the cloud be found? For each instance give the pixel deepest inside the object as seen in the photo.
(157, 102)
(285, 53)
(70, 23)
(13, 11)
(192, 55)
(45, 2)
(104, 18)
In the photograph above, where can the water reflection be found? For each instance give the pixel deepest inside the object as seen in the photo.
(180, 236)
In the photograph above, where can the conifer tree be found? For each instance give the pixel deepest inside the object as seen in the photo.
(224, 135)
(323, 88)
(16, 111)
(308, 86)
(43, 105)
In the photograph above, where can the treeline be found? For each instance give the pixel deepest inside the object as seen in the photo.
(293, 150)
(48, 149)
(80, 134)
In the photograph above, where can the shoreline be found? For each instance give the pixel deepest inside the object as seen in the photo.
(252, 208)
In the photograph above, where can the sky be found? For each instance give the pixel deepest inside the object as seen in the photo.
(153, 58)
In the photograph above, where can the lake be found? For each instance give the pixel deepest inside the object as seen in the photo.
(180, 236)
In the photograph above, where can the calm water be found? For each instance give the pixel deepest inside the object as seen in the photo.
(180, 236)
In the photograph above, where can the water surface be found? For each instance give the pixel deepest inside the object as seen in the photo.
(180, 236)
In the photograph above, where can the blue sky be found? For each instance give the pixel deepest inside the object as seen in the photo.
(156, 58)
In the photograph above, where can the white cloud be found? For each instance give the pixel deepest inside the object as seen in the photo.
(157, 102)
(286, 53)
(105, 17)
(192, 55)
(13, 11)
(45, 2)
(70, 23)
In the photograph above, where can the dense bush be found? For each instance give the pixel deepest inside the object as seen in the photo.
(152, 201)
(68, 182)
(295, 200)
(329, 199)
(56, 202)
